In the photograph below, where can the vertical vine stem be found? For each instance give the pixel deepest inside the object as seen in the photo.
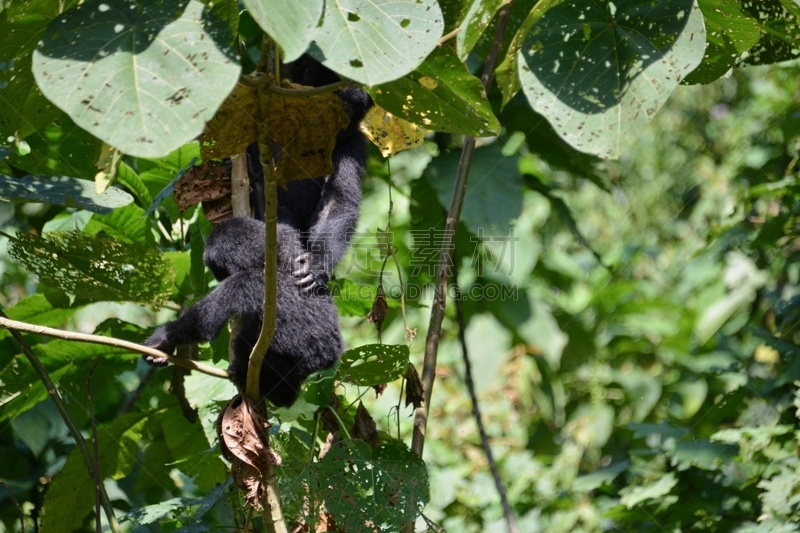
(80, 442)
(448, 254)
(273, 515)
(448, 249)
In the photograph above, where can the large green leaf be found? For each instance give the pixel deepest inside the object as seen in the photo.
(70, 497)
(62, 190)
(730, 33)
(96, 267)
(506, 72)
(291, 24)
(23, 108)
(362, 487)
(599, 71)
(440, 95)
(494, 189)
(142, 80)
(376, 41)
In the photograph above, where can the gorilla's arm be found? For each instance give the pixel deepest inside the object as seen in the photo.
(241, 293)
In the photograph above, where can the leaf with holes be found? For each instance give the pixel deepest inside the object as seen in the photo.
(363, 488)
(374, 364)
(62, 190)
(779, 21)
(475, 22)
(730, 33)
(290, 24)
(144, 81)
(600, 71)
(376, 41)
(96, 267)
(440, 95)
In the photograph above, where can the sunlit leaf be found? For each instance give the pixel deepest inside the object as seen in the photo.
(144, 81)
(376, 41)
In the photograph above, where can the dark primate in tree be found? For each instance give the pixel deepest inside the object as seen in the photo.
(316, 218)
(307, 336)
(325, 209)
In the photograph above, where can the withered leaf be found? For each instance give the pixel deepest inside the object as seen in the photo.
(364, 427)
(415, 393)
(243, 439)
(234, 126)
(303, 131)
(379, 309)
(389, 133)
(203, 183)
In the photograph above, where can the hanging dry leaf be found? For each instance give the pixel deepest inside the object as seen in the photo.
(243, 439)
(415, 392)
(379, 309)
(234, 126)
(364, 427)
(203, 183)
(389, 133)
(303, 132)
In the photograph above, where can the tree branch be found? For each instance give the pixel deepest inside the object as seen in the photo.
(448, 249)
(15, 325)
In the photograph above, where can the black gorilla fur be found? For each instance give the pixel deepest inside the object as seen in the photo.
(307, 336)
(316, 218)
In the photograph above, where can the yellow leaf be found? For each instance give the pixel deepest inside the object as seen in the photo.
(390, 133)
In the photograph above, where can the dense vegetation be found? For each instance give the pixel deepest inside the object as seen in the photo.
(627, 279)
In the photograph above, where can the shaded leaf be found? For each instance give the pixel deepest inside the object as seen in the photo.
(70, 497)
(25, 109)
(362, 487)
(780, 30)
(440, 95)
(730, 33)
(494, 189)
(599, 72)
(96, 267)
(62, 190)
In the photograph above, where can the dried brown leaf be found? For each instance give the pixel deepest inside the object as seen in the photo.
(203, 183)
(243, 439)
(379, 309)
(364, 427)
(303, 132)
(415, 392)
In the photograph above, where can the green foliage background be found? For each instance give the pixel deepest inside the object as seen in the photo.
(633, 324)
